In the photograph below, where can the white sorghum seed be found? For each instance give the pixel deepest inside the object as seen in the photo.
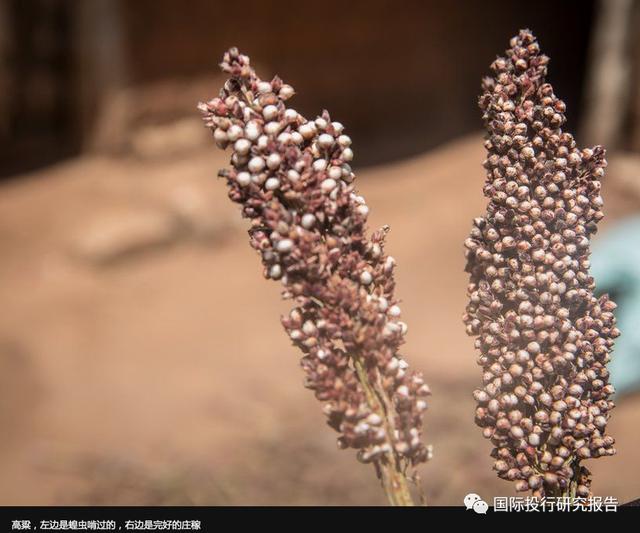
(252, 131)
(319, 165)
(273, 128)
(328, 185)
(273, 161)
(293, 175)
(286, 92)
(270, 112)
(263, 140)
(335, 173)
(307, 131)
(321, 123)
(275, 272)
(344, 140)
(243, 179)
(234, 132)
(290, 115)
(264, 87)
(284, 246)
(242, 146)
(325, 141)
(256, 164)
(308, 220)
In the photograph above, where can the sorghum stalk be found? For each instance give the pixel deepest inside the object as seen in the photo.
(293, 180)
(544, 338)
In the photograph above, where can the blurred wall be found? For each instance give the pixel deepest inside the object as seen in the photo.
(611, 113)
(37, 90)
(403, 76)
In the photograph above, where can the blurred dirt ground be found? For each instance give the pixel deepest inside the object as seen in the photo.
(142, 359)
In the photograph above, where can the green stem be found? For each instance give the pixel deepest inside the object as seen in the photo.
(390, 468)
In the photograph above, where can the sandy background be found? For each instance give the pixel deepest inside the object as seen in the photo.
(142, 360)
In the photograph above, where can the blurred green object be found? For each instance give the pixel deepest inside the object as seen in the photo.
(615, 265)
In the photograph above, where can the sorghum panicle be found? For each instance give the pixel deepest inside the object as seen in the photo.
(544, 338)
(293, 179)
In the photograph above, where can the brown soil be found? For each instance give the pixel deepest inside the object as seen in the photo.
(165, 377)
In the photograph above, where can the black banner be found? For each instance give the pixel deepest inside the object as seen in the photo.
(225, 518)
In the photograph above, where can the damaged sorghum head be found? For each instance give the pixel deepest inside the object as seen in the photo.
(293, 179)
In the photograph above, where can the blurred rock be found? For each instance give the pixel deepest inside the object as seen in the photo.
(122, 233)
(193, 204)
(168, 140)
(185, 212)
(157, 119)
